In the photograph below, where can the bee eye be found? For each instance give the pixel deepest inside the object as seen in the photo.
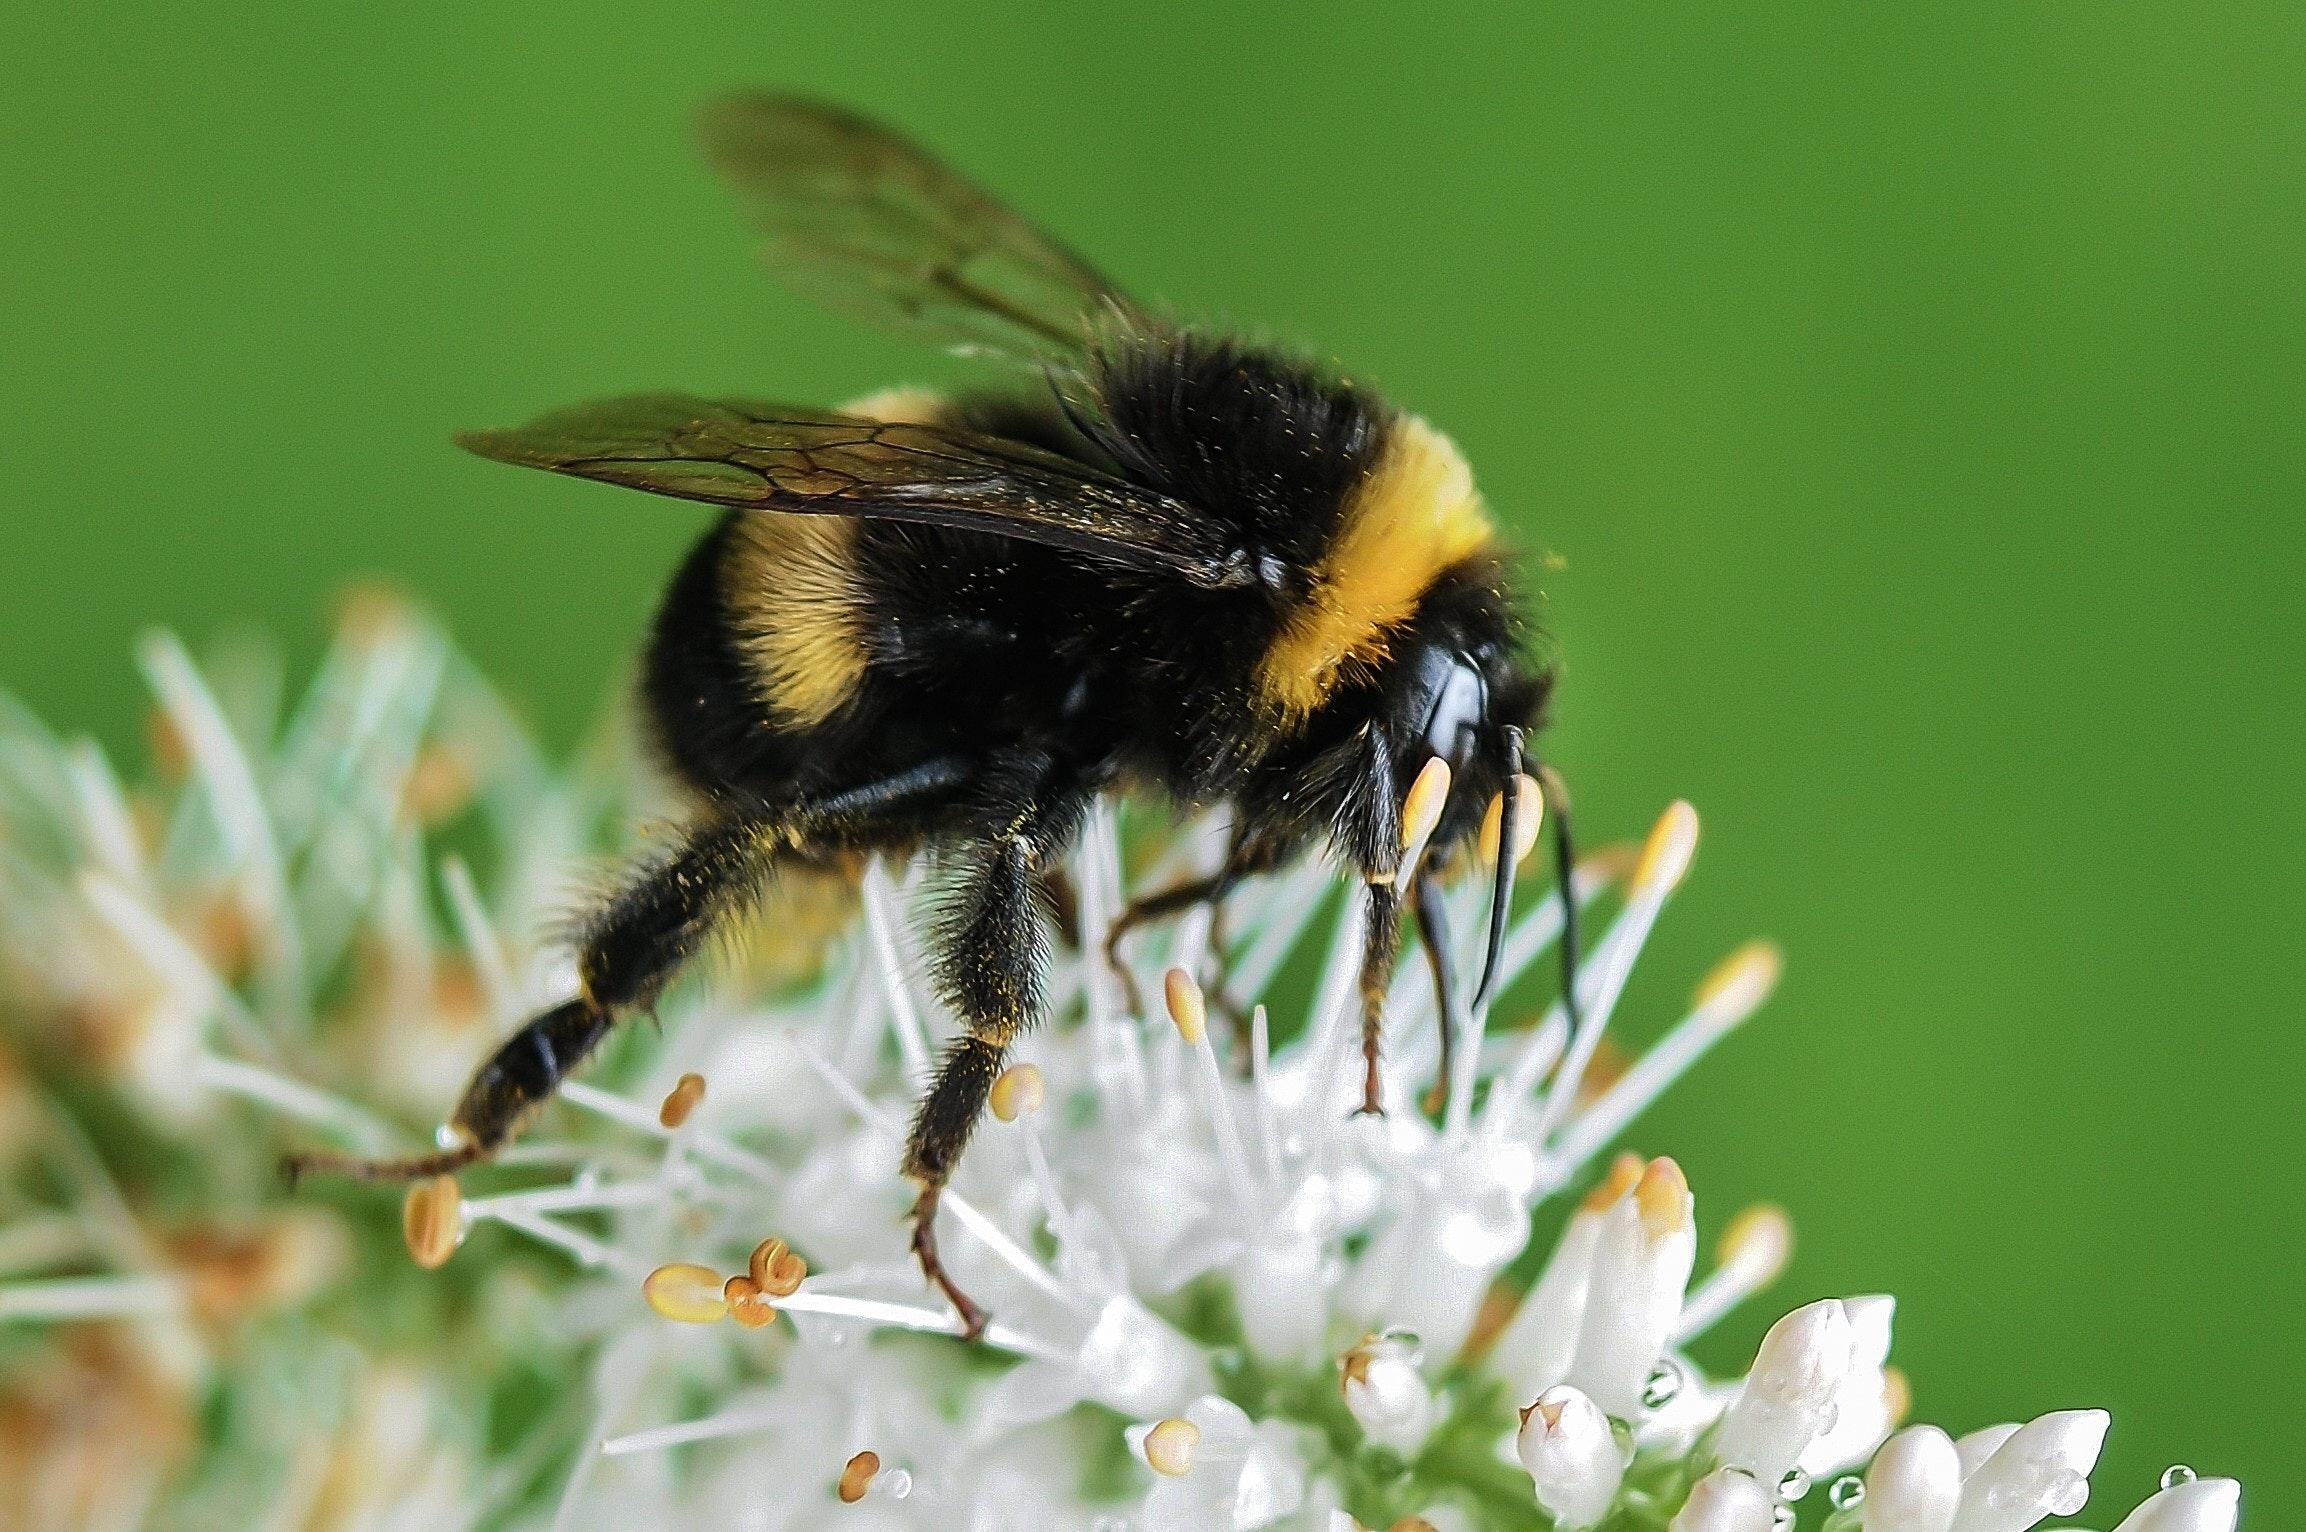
(1456, 704)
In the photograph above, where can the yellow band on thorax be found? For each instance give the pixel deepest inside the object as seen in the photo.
(1416, 514)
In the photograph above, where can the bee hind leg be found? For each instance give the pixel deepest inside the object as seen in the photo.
(649, 928)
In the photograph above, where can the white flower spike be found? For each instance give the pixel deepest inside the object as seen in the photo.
(1173, 1219)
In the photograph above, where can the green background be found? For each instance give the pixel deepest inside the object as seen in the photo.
(1904, 387)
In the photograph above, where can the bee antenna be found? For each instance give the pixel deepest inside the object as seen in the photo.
(1564, 871)
(1501, 896)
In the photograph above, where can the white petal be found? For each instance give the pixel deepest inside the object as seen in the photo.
(1134, 1363)
(2042, 1470)
(1641, 1267)
(2204, 1505)
(1915, 1484)
(1387, 1395)
(1981, 1444)
(1789, 1397)
(1533, 1352)
(1865, 1407)
(1573, 1459)
(1727, 1501)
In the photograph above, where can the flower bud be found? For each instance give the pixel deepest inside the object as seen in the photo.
(1641, 1266)
(2198, 1505)
(1387, 1394)
(2042, 1470)
(1572, 1456)
(1915, 1483)
(1534, 1350)
(1727, 1501)
(1788, 1398)
(1869, 1402)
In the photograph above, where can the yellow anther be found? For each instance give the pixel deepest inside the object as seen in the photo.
(1743, 980)
(1662, 1196)
(1762, 1234)
(1412, 1524)
(1421, 810)
(1186, 1007)
(1624, 1174)
(748, 1306)
(1666, 855)
(1169, 1446)
(857, 1476)
(1017, 1091)
(1528, 817)
(432, 1221)
(775, 1270)
(681, 1100)
(1897, 1394)
(686, 1292)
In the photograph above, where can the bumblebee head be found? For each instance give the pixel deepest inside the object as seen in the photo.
(1456, 710)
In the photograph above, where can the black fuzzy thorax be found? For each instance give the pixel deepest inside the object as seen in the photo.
(1000, 652)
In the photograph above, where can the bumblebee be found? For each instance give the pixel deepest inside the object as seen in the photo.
(1178, 563)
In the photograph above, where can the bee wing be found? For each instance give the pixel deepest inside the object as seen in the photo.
(870, 225)
(812, 462)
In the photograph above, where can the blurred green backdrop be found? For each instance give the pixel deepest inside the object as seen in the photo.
(1903, 387)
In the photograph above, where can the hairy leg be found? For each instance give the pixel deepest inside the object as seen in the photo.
(659, 918)
(991, 955)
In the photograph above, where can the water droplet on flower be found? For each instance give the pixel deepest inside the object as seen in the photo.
(1794, 1485)
(1662, 1386)
(1846, 1493)
(893, 1484)
(1782, 1519)
(2068, 1495)
(2177, 1474)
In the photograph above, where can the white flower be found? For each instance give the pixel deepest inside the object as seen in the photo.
(1915, 1484)
(1788, 1400)
(1641, 1266)
(1300, 1309)
(2193, 1505)
(1727, 1500)
(2041, 1469)
(1572, 1456)
(1386, 1393)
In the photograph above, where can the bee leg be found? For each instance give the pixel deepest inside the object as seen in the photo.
(1063, 901)
(1152, 907)
(992, 952)
(1243, 859)
(1433, 935)
(1381, 944)
(631, 950)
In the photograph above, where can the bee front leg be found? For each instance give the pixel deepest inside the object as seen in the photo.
(1381, 945)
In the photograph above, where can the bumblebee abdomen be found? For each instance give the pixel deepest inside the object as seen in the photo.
(797, 613)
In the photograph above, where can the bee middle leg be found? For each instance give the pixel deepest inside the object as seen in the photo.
(1241, 861)
(991, 956)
